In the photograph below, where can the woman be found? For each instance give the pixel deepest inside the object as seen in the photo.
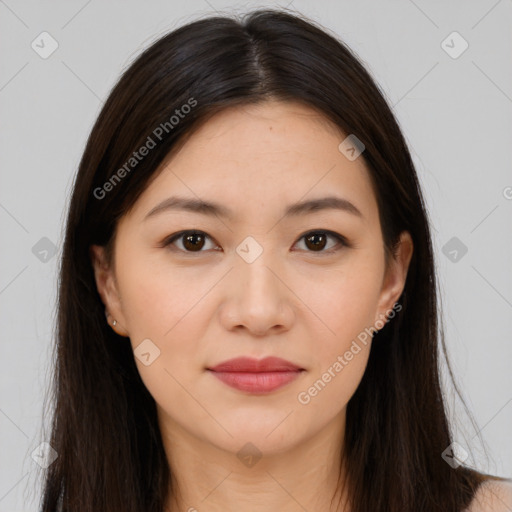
(247, 305)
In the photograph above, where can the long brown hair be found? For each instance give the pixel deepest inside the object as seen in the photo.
(104, 423)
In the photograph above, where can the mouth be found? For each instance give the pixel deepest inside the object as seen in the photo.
(256, 376)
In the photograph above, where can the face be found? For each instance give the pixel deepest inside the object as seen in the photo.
(252, 280)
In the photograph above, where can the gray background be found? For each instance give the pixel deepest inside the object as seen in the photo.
(456, 114)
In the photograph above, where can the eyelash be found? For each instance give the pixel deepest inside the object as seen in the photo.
(341, 240)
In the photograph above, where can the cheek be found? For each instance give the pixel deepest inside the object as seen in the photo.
(167, 308)
(159, 299)
(338, 360)
(329, 390)
(346, 307)
(345, 301)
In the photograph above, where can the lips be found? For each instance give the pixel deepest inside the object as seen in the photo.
(248, 364)
(256, 376)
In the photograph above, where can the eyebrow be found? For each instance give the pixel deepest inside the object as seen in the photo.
(214, 209)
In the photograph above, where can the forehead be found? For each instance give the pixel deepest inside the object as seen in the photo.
(263, 156)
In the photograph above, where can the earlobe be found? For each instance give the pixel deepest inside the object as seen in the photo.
(396, 275)
(107, 289)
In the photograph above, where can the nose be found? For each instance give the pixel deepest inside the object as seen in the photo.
(258, 299)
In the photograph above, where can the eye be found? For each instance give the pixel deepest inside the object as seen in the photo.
(192, 241)
(316, 241)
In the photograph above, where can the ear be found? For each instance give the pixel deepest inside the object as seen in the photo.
(107, 289)
(395, 275)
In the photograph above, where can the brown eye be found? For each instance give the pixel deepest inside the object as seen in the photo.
(316, 241)
(191, 241)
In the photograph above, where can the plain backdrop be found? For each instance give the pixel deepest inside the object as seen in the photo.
(454, 105)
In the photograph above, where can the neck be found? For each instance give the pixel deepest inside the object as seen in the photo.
(213, 478)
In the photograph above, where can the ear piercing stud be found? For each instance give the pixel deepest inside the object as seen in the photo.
(107, 314)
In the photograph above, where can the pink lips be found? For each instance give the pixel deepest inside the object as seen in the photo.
(256, 376)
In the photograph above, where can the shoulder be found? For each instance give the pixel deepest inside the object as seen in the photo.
(492, 496)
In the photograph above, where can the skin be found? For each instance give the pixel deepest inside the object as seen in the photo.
(202, 308)
(492, 496)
